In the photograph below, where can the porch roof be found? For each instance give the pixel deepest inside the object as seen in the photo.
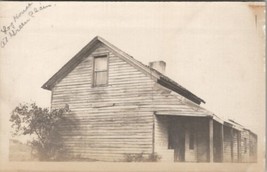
(179, 113)
(234, 125)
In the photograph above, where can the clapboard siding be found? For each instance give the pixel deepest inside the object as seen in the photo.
(161, 139)
(119, 118)
(227, 150)
(120, 114)
(244, 146)
(109, 121)
(235, 146)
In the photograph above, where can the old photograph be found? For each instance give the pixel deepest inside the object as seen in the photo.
(159, 86)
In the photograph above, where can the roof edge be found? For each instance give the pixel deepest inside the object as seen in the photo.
(158, 77)
(49, 83)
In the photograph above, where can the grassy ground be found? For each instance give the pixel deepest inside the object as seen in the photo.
(22, 152)
(19, 151)
(131, 167)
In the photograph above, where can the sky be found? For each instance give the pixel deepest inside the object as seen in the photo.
(213, 49)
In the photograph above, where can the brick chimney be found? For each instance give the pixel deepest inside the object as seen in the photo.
(158, 65)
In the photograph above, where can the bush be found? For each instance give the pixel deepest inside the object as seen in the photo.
(134, 157)
(154, 157)
(139, 157)
(44, 126)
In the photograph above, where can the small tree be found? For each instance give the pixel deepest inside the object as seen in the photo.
(29, 119)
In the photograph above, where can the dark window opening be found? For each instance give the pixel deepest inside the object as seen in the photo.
(100, 74)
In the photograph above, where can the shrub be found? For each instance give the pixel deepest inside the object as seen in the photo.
(140, 157)
(44, 125)
(154, 157)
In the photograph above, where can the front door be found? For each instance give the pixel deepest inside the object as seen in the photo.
(177, 140)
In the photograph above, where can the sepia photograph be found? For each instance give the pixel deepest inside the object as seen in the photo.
(132, 86)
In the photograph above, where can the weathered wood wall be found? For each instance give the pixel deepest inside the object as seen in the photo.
(119, 118)
(244, 146)
(161, 139)
(217, 137)
(227, 150)
(235, 146)
(111, 120)
(116, 119)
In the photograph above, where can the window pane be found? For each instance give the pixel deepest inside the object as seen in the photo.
(101, 78)
(101, 63)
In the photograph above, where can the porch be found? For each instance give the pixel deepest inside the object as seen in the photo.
(184, 138)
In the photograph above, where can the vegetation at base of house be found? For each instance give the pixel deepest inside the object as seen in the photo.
(140, 157)
(79, 158)
(43, 125)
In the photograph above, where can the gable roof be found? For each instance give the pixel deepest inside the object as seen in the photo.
(157, 76)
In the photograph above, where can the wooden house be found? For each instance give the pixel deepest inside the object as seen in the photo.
(122, 106)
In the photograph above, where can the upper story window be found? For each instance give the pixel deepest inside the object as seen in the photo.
(100, 73)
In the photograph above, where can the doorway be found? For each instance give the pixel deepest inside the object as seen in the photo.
(177, 140)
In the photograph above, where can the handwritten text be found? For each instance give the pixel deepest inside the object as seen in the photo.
(19, 21)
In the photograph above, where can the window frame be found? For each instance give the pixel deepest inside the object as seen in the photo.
(99, 55)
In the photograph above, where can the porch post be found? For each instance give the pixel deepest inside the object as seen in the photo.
(232, 145)
(211, 139)
(222, 143)
(239, 146)
(153, 135)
